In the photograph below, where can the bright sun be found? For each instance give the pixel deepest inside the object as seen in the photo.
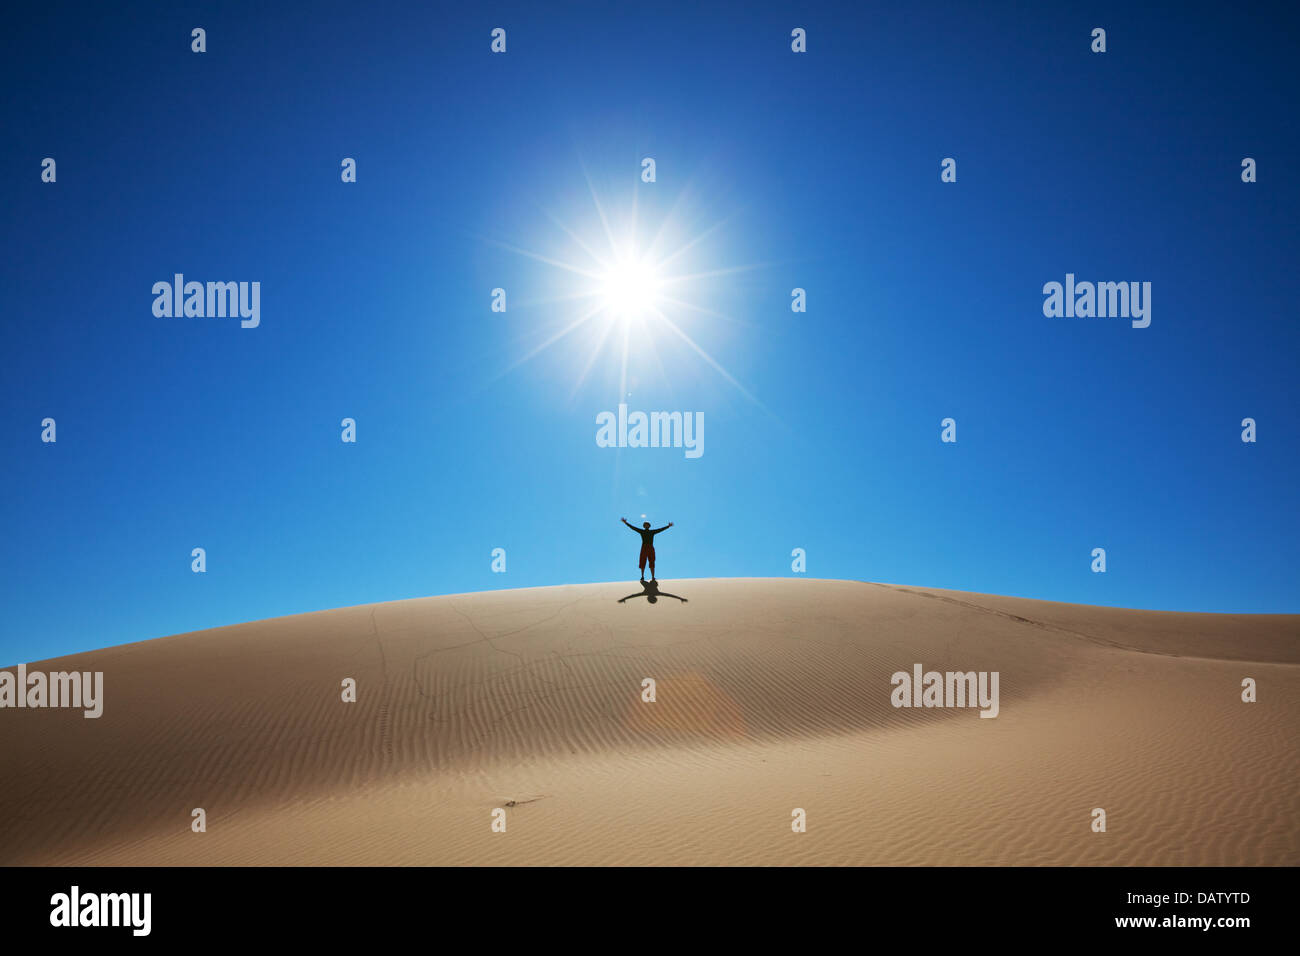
(630, 296)
(630, 289)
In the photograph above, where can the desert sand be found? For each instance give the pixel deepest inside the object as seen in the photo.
(771, 695)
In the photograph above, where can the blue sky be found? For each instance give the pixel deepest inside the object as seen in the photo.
(817, 170)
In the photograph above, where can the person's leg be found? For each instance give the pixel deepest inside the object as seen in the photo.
(652, 564)
(643, 565)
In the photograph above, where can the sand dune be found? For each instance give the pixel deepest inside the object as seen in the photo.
(771, 695)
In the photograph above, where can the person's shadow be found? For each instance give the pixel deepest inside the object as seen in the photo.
(651, 593)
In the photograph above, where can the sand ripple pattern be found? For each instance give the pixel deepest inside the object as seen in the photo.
(771, 694)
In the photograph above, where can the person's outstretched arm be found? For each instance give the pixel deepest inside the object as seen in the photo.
(624, 520)
(664, 528)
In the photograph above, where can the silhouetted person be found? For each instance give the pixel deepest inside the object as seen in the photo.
(647, 544)
(650, 591)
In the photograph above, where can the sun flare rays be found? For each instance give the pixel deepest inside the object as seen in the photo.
(618, 301)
